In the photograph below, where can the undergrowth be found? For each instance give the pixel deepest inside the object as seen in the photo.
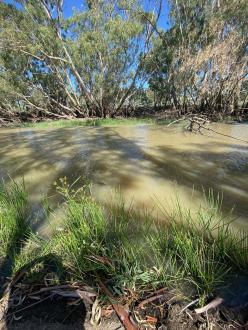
(13, 218)
(192, 252)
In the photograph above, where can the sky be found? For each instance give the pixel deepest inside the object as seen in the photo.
(162, 23)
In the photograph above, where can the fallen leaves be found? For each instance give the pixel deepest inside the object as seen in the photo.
(17, 296)
(121, 312)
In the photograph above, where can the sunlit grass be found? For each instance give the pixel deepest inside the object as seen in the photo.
(129, 250)
(88, 122)
(203, 245)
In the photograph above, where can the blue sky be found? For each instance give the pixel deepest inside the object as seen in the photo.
(148, 4)
(163, 21)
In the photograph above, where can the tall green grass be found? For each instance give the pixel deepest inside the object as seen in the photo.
(13, 218)
(202, 245)
(96, 242)
(194, 252)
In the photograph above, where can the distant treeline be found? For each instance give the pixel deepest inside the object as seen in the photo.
(111, 58)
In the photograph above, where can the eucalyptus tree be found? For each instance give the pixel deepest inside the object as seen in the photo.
(88, 64)
(203, 56)
(112, 42)
(28, 70)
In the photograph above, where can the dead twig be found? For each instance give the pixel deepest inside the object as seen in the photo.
(190, 304)
(84, 295)
(148, 300)
(56, 287)
(96, 313)
(213, 304)
(121, 312)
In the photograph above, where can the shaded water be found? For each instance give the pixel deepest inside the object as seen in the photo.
(148, 163)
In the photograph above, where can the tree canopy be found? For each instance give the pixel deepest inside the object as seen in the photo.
(201, 61)
(111, 53)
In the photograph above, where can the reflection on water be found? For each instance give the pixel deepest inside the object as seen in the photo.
(148, 163)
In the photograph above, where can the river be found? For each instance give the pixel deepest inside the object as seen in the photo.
(149, 164)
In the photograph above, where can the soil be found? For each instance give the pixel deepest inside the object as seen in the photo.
(164, 313)
(56, 313)
(38, 324)
(162, 310)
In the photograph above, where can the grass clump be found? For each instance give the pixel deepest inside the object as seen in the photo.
(100, 243)
(193, 252)
(13, 218)
(202, 247)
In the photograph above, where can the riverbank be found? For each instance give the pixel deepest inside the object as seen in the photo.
(115, 252)
(85, 122)
(146, 116)
(158, 119)
(88, 122)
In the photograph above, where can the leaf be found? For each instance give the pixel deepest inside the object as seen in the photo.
(85, 295)
(121, 312)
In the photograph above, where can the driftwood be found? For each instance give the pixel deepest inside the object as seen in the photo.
(196, 124)
(213, 304)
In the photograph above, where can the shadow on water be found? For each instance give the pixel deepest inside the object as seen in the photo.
(112, 159)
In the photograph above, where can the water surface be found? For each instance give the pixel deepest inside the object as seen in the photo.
(148, 163)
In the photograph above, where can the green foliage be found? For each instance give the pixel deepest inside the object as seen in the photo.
(97, 62)
(87, 64)
(13, 218)
(200, 61)
(194, 252)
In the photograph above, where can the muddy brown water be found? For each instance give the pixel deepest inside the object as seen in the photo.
(149, 164)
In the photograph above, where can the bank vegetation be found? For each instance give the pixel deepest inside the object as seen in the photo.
(115, 58)
(195, 254)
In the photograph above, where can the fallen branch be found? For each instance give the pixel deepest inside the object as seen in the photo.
(213, 304)
(232, 137)
(175, 121)
(201, 122)
(121, 312)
